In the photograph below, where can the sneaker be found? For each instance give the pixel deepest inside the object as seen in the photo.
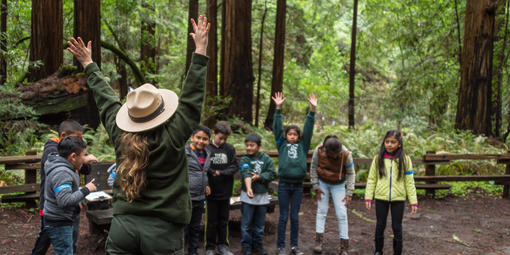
(223, 250)
(296, 251)
(281, 251)
(210, 252)
(246, 251)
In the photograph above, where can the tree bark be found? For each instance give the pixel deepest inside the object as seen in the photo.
(475, 92)
(3, 42)
(222, 49)
(259, 79)
(46, 37)
(238, 69)
(87, 25)
(458, 31)
(499, 75)
(192, 14)
(148, 41)
(212, 51)
(278, 60)
(352, 71)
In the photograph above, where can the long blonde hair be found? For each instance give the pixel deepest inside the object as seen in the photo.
(133, 160)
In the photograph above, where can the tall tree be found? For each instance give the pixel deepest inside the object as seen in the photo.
(148, 40)
(222, 46)
(352, 68)
(46, 43)
(87, 25)
(474, 105)
(238, 69)
(499, 73)
(3, 42)
(279, 50)
(192, 14)
(259, 79)
(212, 51)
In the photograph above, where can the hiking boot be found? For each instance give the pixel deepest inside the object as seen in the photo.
(379, 245)
(246, 251)
(258, 249)
(397, 247)
(210, 252)
(223, 250)
(296, 251)
(281, 251)
(318, 243)
(344, 247)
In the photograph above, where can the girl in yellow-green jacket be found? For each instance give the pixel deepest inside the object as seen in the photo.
(390, 181)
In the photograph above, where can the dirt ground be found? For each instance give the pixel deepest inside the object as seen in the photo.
(477, 225)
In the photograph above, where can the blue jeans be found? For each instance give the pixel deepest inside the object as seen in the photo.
(252, 224)
(289, 194)
(337, 192)
(61, 239)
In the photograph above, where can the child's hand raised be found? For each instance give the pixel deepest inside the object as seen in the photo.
(313, 102)
(81, 52)
(200, 34)
(278, 100)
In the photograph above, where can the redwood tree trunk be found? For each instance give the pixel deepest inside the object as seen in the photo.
(87, 25)
(474, 104)
(499, 73)
(3, 42)
(46, 43)
(148, 42)
(222, 50)
(279, 50)
(238, 70)
(192, 14)
(212, 51)
(352, 71)
(259, 79)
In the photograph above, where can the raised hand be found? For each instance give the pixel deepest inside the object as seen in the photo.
(81, 52)
(200, 34)
(278, 100)
(313, 102)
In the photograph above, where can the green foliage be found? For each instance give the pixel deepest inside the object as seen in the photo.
(99, 144)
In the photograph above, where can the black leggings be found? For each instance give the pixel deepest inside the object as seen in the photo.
(397, 213)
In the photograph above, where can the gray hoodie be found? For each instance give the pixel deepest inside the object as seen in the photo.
(62, 192)
(197, 175)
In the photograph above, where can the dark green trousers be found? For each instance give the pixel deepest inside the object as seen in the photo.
(131, 234)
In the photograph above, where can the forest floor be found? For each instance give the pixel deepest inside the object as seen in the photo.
(479, 224)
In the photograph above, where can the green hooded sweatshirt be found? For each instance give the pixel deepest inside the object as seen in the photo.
(166, 194)
(292, 157)
(262, 165)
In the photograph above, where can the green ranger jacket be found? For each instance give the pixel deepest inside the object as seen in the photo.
(166, 194)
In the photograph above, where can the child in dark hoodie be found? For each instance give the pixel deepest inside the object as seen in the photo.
(292, 150)
(62, 192)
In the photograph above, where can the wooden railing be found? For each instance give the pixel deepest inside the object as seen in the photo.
(31, 164)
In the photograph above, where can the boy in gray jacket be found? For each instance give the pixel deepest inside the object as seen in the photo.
(62, 192)
(199, 162)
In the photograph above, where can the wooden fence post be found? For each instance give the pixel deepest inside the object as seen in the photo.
(430, 170)
(30, 178)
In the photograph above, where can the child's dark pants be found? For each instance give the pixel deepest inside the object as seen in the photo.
(193, 228)
(397, 213)
(217, 222)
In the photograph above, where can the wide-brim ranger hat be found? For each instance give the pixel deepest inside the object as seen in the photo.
(146, 108)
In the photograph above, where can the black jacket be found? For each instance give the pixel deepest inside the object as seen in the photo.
(222, 159)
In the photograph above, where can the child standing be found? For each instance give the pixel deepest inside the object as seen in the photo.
(292, 150)
(221, 180)
(390, 181)
(332, 172)
(62, 192)
(199, 161)
(66, 128)
(257, 171)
